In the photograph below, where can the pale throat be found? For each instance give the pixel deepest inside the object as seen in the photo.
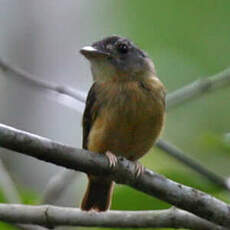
(102, 71)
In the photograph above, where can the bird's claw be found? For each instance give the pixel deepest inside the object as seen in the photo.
(139, 169)
(112, 159)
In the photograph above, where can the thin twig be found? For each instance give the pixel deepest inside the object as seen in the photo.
(8, 68)
(151, 183)
(191, 163)
(52, 216)
(191, 91)
(198, 88)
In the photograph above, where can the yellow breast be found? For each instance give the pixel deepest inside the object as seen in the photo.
(129, 121)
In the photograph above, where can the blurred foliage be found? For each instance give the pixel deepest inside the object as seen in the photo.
(29, 197)
(4, 226)
(2, 197)
(214, 142)
(187, 40)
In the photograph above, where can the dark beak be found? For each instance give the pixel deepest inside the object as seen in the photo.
(91, 52)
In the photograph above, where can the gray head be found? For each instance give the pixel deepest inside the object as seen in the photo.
(118, 58)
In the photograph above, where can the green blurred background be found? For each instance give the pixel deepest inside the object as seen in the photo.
(188, 40)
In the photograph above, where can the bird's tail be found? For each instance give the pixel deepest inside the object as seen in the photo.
(98, 194)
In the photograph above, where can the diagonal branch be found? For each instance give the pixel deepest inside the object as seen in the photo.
(198, 88)
(191, 91)
(8, 68)
(191, 163)
(184, 197)
(180, 96)
(52, 216)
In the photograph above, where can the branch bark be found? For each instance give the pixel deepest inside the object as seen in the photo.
(191, 163)
(191, 91)
(8, 68)
(198, 88)
(52, 216)
(180, 96)
(184, 197)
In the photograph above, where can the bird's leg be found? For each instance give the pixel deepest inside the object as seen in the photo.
(139, 169)
(112, 159)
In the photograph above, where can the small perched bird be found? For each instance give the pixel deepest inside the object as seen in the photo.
(124, 112)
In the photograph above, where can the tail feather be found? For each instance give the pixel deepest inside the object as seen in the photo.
(98, 194)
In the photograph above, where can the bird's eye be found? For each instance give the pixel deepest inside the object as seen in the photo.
(123, 48)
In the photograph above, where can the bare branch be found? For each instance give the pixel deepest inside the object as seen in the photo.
(198, 88)
(57, 185)
(184, 197)
(191, 163)
(180, 96)
(191, 91)
(8, 68)
(51, 216)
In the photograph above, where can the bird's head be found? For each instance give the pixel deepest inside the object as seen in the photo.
(117, 58)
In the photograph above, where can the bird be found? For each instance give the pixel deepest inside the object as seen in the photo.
(124, 113)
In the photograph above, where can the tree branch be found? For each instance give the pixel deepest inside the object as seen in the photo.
(173, 99)
(8, 68)
(198, 88)
(180, 96)
(184, 197)
(51, 216)
(191, 163)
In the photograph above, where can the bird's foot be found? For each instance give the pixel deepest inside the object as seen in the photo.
(139, 169)
(112, 159)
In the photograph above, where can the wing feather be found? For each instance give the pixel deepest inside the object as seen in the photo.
(90, 114)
